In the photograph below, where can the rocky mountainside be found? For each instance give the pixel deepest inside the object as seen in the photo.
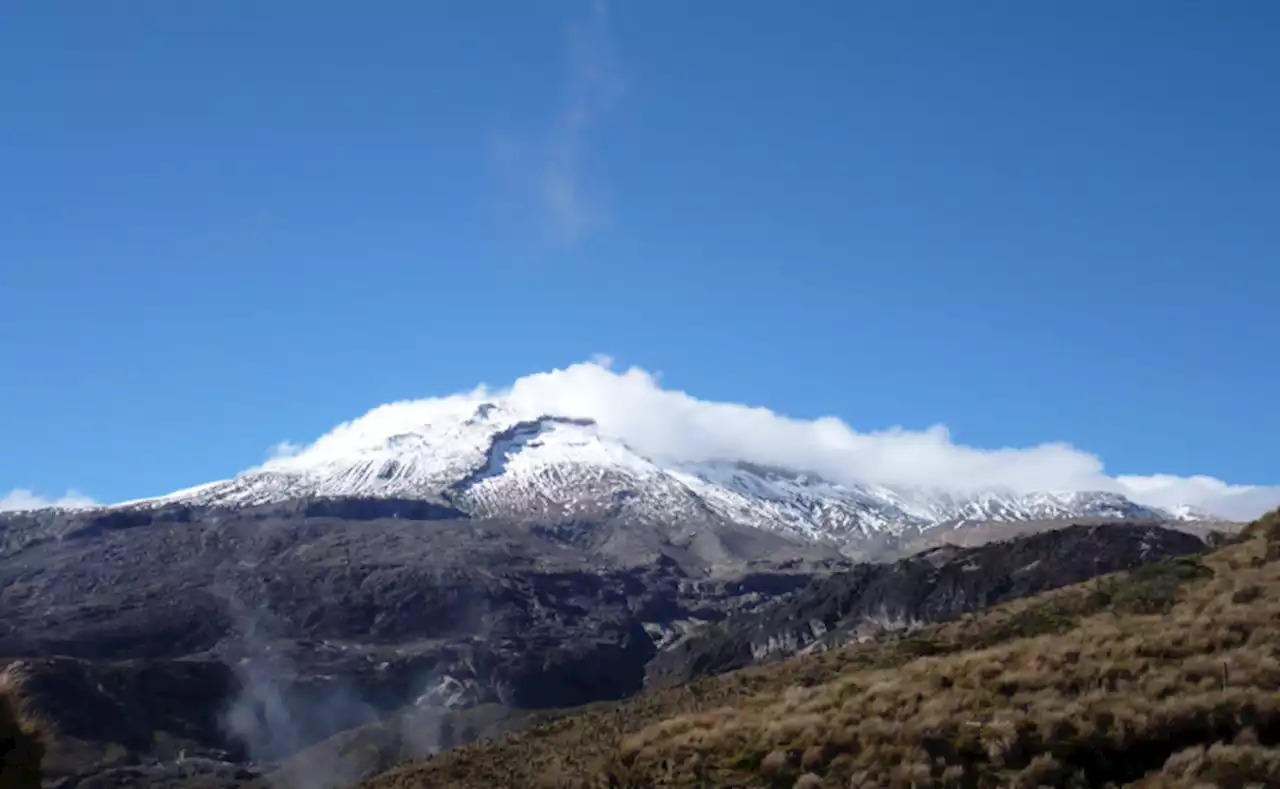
(868, 603)
(932, 586)
(493, 459)
(238, 635)
(1163, 676)
(164, 642)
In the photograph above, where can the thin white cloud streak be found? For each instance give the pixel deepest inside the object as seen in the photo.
(669, 424)
(283, 450)
(595, 83)
(20, 499)
(553, 175)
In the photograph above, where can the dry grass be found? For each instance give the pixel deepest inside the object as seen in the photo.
(1168, 676)
(21, 750)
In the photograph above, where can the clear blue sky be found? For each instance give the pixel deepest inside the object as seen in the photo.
(224, 224)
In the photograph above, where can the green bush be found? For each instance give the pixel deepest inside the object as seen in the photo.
(1150, 589)
(1039, 620)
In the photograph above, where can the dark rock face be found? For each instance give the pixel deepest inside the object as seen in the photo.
(929, 587)
(158, 706)
(374, 509)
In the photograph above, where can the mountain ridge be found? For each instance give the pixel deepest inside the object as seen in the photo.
(493, 459)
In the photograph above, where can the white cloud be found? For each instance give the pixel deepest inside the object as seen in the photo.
(673, 424)
(552, 174)
(666, 423)
(21, 499)
(284, 449)
(1237, 502)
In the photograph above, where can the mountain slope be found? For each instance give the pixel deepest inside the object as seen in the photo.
(236, 636)
(1161, 678)
(939, 584)
(840, 608)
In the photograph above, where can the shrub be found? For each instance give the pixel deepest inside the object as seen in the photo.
(21, 750)
(1150, 589)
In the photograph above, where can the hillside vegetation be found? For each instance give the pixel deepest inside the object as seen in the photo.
(1167, 676)
(20, 747)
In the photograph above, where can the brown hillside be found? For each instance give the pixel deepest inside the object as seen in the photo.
(1168, 676)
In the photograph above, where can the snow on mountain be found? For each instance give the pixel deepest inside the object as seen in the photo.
(490, 458)
(1041, 505)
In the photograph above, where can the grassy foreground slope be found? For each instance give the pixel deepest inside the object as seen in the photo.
(1167, 676)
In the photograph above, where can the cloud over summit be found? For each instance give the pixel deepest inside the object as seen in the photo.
(670, 424)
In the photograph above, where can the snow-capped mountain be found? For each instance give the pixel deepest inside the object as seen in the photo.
(489, 459)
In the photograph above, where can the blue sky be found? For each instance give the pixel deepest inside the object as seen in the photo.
(223, 225)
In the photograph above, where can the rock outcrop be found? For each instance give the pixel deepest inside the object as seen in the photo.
(937, 584)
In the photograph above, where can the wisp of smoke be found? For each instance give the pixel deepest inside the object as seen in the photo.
(274, 714)
(282, 714)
